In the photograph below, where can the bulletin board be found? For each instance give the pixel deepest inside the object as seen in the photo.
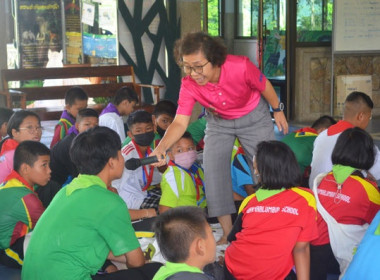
(356, 26)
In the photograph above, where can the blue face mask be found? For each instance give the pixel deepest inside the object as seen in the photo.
(144, 139)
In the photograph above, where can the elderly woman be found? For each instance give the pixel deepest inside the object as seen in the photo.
(236, 95)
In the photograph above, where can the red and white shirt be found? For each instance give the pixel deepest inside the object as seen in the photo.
(270, 230)
(356, 204)
(323, 147)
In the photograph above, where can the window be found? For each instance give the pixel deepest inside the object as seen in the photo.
(274, 16)
(314, 20)
(247, 18)
(212, 24)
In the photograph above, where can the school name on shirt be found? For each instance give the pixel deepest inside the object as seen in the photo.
(273, 210)
(336, 195)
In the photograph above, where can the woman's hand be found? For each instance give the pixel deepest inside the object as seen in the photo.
(173, 133)
(161, 156)
(212, 110)
(282, 124)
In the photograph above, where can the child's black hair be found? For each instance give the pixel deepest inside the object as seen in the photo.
(5, 115)
(187, 135)
(165, 107)
(177, 228)
(28, 152)
(277, 166)
(354, 148)
(139, 116)
(323, 122)
(91, 150)
(125, 93)
(360, 97)
(85, 113)
(17, 118)
(74, 94)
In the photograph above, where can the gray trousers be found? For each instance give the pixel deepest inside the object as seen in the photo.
(251, 129)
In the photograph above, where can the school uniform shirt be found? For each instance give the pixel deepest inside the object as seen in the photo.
(62, 127)
(170, 269)
(6, 158)
(20, 209)
(115, 122)
(74, 236)
(272, 223)
(240, 172)
(367, 257)
(237, 93)
(323, 147)
(60, 162)
(197, 129)
(301, 142)
(132, 186)
(181, 187)
(356, 204)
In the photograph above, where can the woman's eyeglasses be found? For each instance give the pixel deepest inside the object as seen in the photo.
(197, 69)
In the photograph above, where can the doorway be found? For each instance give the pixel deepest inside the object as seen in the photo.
(264, 23)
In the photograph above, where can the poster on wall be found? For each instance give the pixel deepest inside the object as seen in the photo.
(107, 16)
(40, 27)
(73, 32)
(88, 14)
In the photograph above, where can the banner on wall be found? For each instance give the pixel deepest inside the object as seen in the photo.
(99, 45)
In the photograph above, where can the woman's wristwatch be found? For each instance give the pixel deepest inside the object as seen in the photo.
(280, 107)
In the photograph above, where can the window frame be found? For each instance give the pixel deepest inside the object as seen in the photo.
(205, 19)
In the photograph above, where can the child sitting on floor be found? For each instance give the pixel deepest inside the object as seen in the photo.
(275, 225)
(23, 125)
(20, 207)
(163, 115)
(61, 165)
(75, 99)
(123, 104)
(348, 199)
(86, 224)
(182, 182)
(139, 188)
(186, 242)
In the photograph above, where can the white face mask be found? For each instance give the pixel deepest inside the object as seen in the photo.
(186, 159)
